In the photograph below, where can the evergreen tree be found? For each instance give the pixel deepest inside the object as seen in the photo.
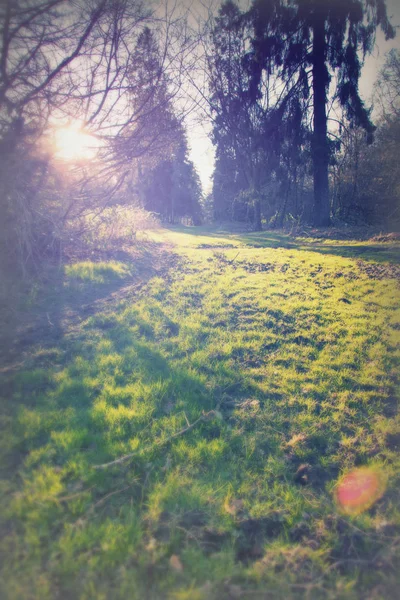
(367, 181)
(172, 188)
(155, 145)
(239, 115)
(186, 186)
(258, 130)
(228, 183)
(153, 129)
(301, 40)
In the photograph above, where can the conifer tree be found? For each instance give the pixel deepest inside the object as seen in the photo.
(244, 131)
(153, 128)
(315, 40)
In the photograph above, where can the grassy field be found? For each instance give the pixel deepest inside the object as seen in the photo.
(242, 375)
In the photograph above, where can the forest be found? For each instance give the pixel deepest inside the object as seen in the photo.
(294, 141)
(199, 383)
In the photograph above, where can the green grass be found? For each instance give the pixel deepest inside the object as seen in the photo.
(294, 345)
(100, 272)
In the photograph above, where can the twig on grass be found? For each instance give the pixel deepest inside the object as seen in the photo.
(92, 507)
(73, 496)
(109, 495)
(122, 459)
(238, 382)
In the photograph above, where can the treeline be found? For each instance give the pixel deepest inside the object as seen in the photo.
(114, 68)
(163, 178)
(294, 140)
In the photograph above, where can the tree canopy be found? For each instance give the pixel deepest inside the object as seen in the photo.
(289, 63)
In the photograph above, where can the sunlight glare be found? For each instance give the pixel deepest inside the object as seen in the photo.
(72, 144)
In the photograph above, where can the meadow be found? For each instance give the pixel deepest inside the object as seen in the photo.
(175, 426)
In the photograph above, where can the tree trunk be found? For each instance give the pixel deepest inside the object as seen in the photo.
(283, 211)
(257, 215)
(320, 150)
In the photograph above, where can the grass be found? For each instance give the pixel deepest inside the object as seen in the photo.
(294, 346)
(100, 272)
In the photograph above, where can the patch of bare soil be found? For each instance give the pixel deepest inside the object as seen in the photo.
(214, 246)
(359, 233)
(256, 267)
(379, 270)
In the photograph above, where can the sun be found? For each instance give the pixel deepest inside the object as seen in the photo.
(72, 144)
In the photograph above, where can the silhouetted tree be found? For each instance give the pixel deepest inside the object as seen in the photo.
(246, 129)
(151, 128)
(304, 41)
(387, 87)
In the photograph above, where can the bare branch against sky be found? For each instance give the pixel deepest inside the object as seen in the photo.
(40, 41)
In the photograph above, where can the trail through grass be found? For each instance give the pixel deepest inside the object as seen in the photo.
(293, 344)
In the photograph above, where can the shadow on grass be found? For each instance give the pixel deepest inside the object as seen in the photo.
(41, 311)
(113, 393)
(109, 385)
(376, 252)
(129, 383)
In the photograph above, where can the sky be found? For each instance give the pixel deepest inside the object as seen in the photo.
(201, 148)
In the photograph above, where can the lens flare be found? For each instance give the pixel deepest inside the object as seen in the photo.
(358, 490)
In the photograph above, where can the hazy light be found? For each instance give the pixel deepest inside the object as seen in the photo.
(72, 144)
(358, 490)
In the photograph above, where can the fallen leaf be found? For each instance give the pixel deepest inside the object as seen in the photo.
(298, 437)
(152, 544)
(234, 506)
(249, 405)
(175, 563)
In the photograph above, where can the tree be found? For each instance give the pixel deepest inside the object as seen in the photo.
(72, 61)
(152, 129)
(41, 40)
(244, 131)
(228, 184)
(46, 62)
(172, 188)
(155, 140)
(302, 40)
(230, 106)
(259, 131)
(366, 182)
(387, 87)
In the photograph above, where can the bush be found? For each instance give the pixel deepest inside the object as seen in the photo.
(115, 224)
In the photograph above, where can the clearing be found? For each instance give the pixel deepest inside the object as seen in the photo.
(243, 373)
